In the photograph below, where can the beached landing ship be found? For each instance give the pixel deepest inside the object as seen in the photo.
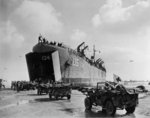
(51, 61)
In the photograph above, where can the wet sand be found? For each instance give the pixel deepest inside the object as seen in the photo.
(27, 104)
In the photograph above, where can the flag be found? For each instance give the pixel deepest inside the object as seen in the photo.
(116, 78)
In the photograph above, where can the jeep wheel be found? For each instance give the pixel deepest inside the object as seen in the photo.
(103, 110)
(130, 109)
(56, 97)
(38, 92)
(110, 108)
(50, 96)
(87, 103)
(68, 97)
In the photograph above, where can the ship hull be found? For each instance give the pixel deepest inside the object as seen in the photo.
(74, 69)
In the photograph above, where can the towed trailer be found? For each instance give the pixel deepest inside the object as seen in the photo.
(42, 88)
(59, 91)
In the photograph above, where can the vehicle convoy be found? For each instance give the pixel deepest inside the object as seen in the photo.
(111, 99)
(50, 61)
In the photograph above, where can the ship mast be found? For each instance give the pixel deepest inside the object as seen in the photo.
(94, 51)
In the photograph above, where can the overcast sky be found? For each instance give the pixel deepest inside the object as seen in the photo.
(120, 29)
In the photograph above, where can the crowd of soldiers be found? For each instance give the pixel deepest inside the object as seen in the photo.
(43, 40)
(27, 85)
(1, 84)
(22, 85)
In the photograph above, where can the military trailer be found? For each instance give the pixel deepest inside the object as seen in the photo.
(42, 88)
(60, 90)
(111, 99)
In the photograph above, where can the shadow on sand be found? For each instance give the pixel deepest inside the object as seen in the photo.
(36, 94)
(93, 114)
(44, 100)
(68, 110)
(89, 114)
(48, 100)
